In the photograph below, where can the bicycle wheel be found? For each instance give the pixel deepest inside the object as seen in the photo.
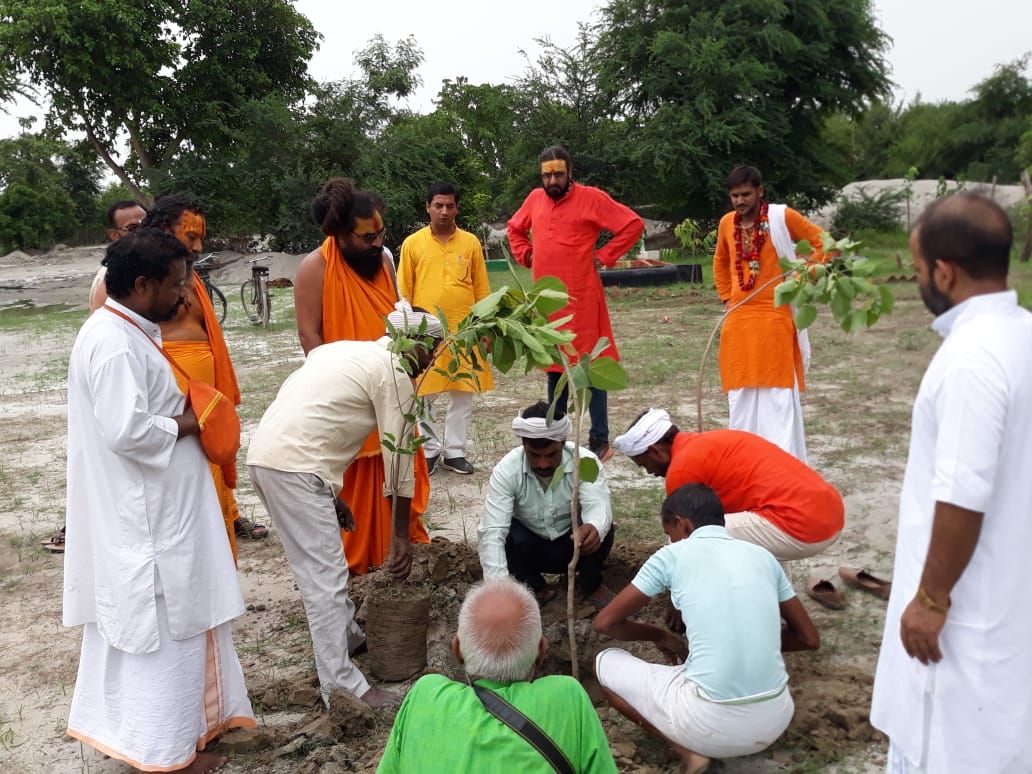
(218, 300)
(265, 301)
(248, 299)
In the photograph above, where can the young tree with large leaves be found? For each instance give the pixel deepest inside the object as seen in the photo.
(712, 83)
(161, 77)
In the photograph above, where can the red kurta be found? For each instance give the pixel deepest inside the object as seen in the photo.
(557, 238)
(758, 344)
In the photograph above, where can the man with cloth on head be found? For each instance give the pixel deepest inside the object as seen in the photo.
(342, 292)
(444, 726)
(554, 232)
(313, 430)
(526, 528)
(730, 695)
(146, 569)
(762, 360)
(770, 498)
(952, 688)
(442, 267)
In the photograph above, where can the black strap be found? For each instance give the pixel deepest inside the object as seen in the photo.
(525, 727)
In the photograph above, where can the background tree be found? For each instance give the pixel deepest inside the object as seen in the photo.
(712, 83)
(165, 77)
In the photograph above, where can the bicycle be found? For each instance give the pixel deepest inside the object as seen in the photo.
(254, 293)
(204, 268)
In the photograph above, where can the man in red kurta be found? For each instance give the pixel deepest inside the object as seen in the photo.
(762, 360)
(555, 233)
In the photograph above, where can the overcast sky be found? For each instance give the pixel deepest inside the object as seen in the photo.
(940, 48)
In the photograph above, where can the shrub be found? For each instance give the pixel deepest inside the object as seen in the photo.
(878, 212)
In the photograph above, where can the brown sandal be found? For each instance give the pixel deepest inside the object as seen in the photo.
(865, 581)
(824, 592)
(54, 544)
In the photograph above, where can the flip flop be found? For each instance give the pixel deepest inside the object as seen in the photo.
(246, 528)
(824, 592)
(865, 581)
(54, 544)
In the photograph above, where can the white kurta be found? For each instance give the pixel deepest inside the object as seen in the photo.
(970, 446)
(140, 502)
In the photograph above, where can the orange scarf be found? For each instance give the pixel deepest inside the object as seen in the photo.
(225, 376)
(353, 308)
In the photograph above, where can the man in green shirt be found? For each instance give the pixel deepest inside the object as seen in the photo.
(444, 727)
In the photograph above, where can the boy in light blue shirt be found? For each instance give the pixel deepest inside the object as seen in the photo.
(730, 696)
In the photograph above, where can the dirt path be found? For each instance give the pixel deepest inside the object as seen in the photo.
(857, 414)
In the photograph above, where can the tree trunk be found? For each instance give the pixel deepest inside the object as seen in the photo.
(571, 569)
(145, 199)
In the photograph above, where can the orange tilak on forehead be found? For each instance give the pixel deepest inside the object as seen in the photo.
(190, 224)
(556, 166)
(373, 225)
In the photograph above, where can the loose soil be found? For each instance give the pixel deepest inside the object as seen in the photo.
(857, 418)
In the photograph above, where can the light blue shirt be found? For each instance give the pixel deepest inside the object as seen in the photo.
(515, 492)
(727, 592)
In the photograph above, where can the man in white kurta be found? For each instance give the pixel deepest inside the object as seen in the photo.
(148, 570)
(953, 688)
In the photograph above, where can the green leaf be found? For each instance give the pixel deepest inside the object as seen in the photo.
(785, 292)
(607, 374)
(599, 347)
(579, 377)
(859, 320)
(888, 301)
(840, 306)
(805, 315)
(803, 247)
(488, 305)
(503, 355)
(846, 286)
(588, 470)
(863, 267)
(549, 294)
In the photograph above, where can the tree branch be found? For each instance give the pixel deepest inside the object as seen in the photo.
(113, 165)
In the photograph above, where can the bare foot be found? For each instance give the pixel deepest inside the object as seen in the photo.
(204, 763)
(693, 763)
(377, 698)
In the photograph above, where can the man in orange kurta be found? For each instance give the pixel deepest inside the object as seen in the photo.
(762, 362)
(554, 233)
(194, 339)
(344, 290)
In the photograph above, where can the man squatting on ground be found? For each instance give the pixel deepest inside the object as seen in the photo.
(308, 436)
(952, 688)
(526, 528)
(444, 728)
(148, 569)
(730, 696)
(554, 232)
(771, 498)
(442, 267)
(763, 361)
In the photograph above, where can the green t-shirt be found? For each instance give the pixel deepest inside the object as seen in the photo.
(443, 727)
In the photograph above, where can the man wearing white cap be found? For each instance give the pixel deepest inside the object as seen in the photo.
(307, 437)
(770, 497)
(526, 529)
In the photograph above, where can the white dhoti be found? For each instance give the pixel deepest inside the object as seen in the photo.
(156, 710)
(680, 710)
(774, 413)
(753, 528)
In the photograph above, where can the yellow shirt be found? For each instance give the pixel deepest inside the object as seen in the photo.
(449, 277)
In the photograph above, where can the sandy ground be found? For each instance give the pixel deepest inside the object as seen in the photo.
(857, 420)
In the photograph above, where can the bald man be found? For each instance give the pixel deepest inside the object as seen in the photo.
(444, 727)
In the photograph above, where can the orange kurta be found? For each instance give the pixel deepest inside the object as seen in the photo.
(353, 309)
(758, 344)
(196, 358)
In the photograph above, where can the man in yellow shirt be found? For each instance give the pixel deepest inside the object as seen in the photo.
(442, 268)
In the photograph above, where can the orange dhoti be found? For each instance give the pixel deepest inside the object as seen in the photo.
(370, 542)
(197, 359)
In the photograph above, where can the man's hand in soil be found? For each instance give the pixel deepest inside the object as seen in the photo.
(673, 647)
(345, 518)
(589, 539)
(919, 629)
(186, 423)
(399, 562)
(377, 698)
(672, 619)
